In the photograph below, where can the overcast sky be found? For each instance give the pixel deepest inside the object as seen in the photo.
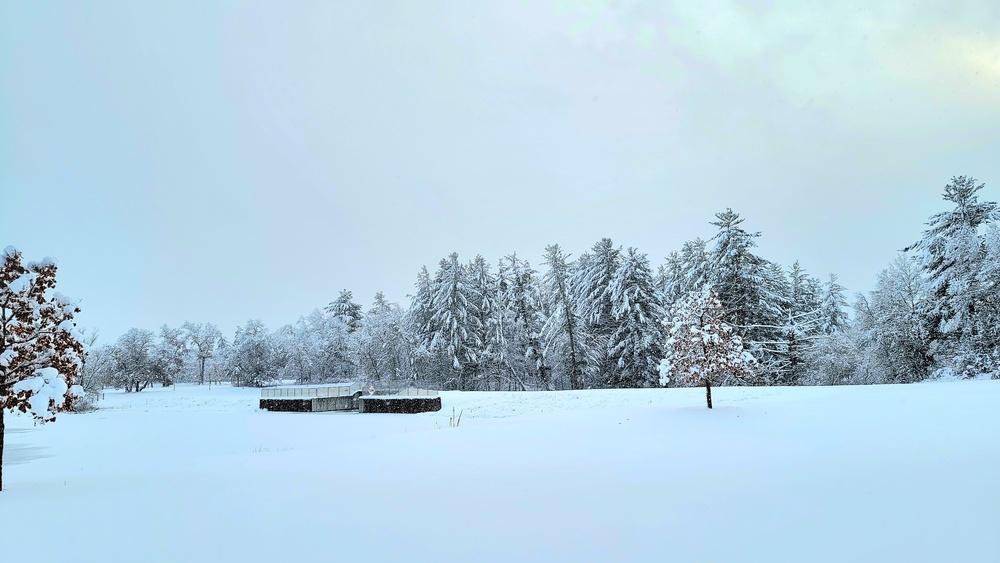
(220, 161)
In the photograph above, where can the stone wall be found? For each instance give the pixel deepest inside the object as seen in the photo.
(400, 405)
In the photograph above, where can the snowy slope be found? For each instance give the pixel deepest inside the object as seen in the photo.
(885, 473)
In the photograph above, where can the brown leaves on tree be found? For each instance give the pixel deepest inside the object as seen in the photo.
(36, 332)
(701, 348)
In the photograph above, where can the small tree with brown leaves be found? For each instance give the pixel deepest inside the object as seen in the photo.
(702, 349)
(39, 351)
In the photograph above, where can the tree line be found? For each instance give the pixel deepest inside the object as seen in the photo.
(714, 312)
(602, 319)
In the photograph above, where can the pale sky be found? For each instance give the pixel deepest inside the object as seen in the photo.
(218, 161)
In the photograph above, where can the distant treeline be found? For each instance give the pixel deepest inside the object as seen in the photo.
(601, 319)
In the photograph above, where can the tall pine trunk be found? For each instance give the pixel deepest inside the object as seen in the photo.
(1, 446)
(708, 391)
(574, 366)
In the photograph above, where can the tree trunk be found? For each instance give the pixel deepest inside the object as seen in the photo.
(708, 392)
(1, 447)
(201, 372)
(574, 373)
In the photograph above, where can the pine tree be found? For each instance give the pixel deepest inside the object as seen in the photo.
(347, 310)
(521, 302)
(773, 332)
(987, 319)
(749, 288)
(701, 348)
(801, 317)
(490, 325)
(426, 365)
(695, 267)
(422, 308)
(591, 285)
(381, 305)
(563, 330)
(454, 325)
(670, 279)
(637, 343)
(951, 254)
(737, 275)
(833, 317)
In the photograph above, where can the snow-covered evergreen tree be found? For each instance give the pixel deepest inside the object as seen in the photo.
(490, 325)
(952, 253)
(738, 277)
(346, 310)
(833, 304)
(454, 328)
(591, 286)
(802, 321)
(520, 304)
(701, 348)
(565, 342)
(670, 280)
(753, 292)
(987, 318)
(421, 308)
(695, 268)
(636, 344)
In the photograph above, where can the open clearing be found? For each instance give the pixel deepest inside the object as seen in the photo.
(881, 473)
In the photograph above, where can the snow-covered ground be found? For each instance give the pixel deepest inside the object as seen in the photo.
(884, 473)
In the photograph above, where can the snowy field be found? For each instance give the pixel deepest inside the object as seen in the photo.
(884, 473)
